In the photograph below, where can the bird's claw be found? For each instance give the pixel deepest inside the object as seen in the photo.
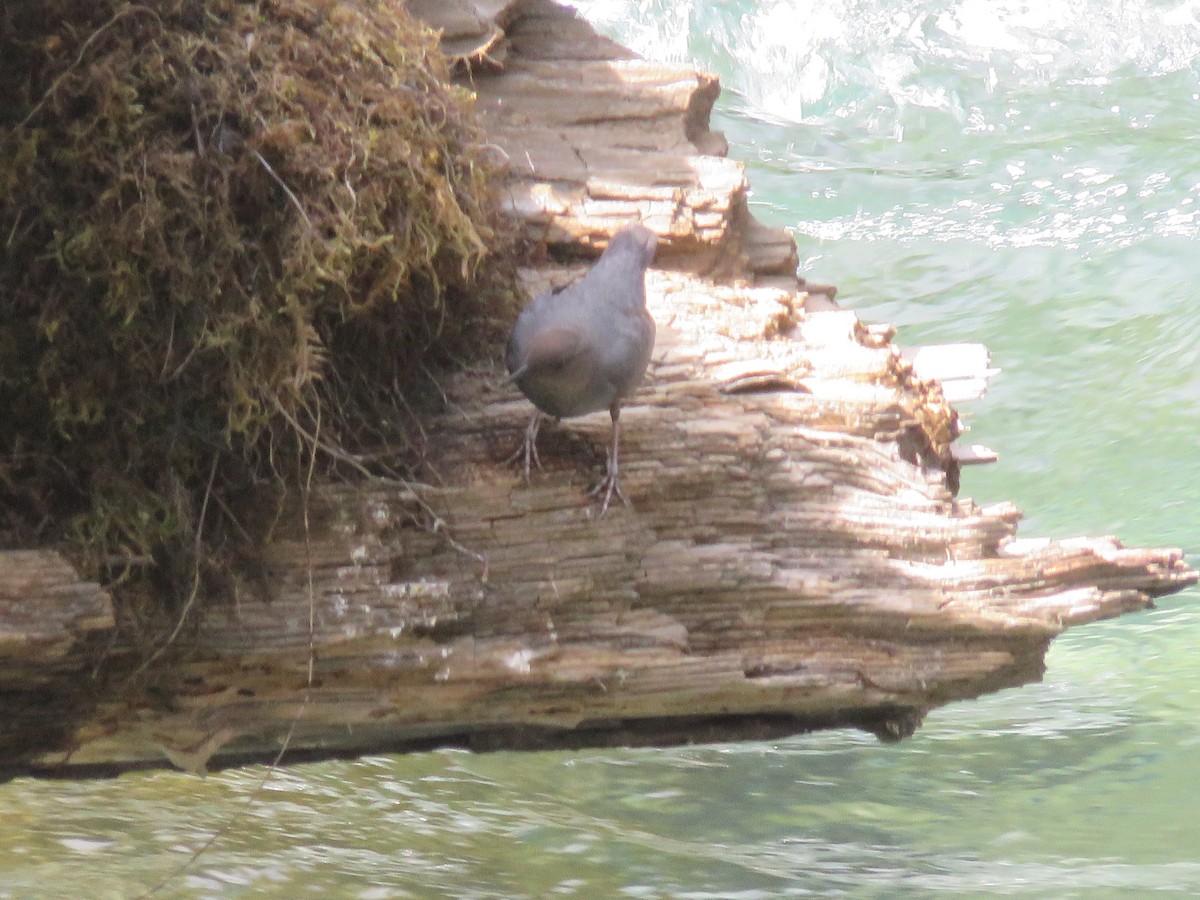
(528, 449)
(608, 485)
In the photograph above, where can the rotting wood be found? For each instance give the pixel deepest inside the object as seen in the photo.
(794, 557)
(595, 136)
(782, 567)
(51, 623)
(632, 142)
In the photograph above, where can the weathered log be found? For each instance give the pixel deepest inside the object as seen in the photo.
(794, 556)
(595, 137)
(50, 624)
(45, 610)
(782, 567)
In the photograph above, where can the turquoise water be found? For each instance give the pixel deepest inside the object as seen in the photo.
(1026, 175)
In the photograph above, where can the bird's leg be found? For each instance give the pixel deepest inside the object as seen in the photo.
(528, 448)
(609, 484)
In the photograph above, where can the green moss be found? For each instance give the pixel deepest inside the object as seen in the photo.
(221, 223)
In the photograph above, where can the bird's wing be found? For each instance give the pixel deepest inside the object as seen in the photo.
(552, 348)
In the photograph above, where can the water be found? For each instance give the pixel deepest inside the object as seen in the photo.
(1022, 174)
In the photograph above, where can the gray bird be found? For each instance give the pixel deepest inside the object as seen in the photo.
(585, 348)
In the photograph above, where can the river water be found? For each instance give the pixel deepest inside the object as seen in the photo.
(1023, 174)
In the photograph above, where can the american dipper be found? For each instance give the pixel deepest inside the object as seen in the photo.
(585, 348)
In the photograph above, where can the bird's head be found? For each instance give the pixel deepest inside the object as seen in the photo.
(635, 240)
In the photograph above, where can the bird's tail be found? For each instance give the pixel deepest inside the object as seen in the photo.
(513, 376)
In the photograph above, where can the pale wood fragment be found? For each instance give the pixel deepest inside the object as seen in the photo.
(973, 454)
(963, 370)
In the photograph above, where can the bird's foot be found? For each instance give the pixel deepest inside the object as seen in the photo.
(521, 459)
(607, 486)
(528, 449)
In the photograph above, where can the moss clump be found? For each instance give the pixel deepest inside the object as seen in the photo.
(225, 227)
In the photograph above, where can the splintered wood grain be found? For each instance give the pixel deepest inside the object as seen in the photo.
(595, 137)
(45, 608)
(794, 555)
(594, 140)
(782, 562)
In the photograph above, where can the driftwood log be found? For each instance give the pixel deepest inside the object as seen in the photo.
(793, 556)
